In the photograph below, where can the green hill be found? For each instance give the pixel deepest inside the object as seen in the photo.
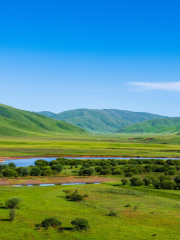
(163, 125)
(102, 121)
(14, 122)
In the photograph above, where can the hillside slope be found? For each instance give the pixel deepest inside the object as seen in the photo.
(15, 122)
(102, 121)
(163, 125)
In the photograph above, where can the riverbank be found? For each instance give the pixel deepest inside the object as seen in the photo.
(53, 180)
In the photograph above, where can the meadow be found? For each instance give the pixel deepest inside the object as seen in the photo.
(125, 145)
(142, 212)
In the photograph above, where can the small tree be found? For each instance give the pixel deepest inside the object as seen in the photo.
(156, 183)
(41, 163)
(168, 184)
(35, 171)
(136, 181)
(57, 167)
(12, 203)
(50, 222)
(12, 215)
(80, 224)
(124, 181)
(147, 181)
(75, 196)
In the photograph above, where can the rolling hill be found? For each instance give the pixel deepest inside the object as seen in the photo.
(101, 121)
(163, 125)
(15, 122)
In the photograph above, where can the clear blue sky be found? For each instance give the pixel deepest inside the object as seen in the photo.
(59, 55)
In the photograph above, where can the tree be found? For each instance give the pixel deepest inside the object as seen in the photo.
(136, 181)
(168, 184)
(124, 181)
(80, 224)
(12, 203)
(9, 172)
(50, 222)
(147, 181)
(156, 183)
(41, 163)
(35, 171)
(47, 171)
(177, 179)
(12, 165)
(12, 215)
(57, 167)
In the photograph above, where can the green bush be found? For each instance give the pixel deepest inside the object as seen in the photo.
(35, 171)
(50, 222)
(124, 181)
(9, 172)
(80, 224)
(129, 174)
(41, 163)
(147, 181)
(105, 172)
(12, 165)
(177, 179)
(57, 167)
(156, 183)
(75, 196)
(168, 184)
(12, 203)
(112, 214)
(46, 171)
(136, 181)
(12, 215)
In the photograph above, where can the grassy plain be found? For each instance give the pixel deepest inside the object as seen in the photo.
(157, 215)
(126, 145)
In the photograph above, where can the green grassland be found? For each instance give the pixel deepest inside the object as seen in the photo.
(157, 215)
(163, 125)
(101, 121)
(128, 145)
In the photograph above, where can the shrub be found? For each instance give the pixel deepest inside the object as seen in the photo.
(127, 205)
(164, 178)
(168, 184)
(112, 214)
(106, 172)
(156, 183)
(129, 174)
(35, 171)
(116, 171)
(147, 181)
(80, 224)
(136, 181)
(41, 163)
(50, 222)
(177, 179)
(47, 171)
(23, 171)
(12, 203)
(9, 172)
(57, 167)
(124, 181)
(12, 165)
(12, 215)
(75, 196)
(98, 169)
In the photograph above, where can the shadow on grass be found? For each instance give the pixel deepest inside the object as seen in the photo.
(4, 220)
(2, 207)
(62, 229)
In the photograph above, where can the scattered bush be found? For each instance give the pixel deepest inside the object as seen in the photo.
(129, 174)
(12, 203)
(168, 184)
(35, 171)
(80, 224)
(12, 215)
(124, 181)
(156, 183)
(112, 214)
(75, 196)
(147, 181)
(9, 172)
(57, 167)
(136, 181)
(50, 222)
(41, 163)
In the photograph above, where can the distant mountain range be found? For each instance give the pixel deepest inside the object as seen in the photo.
(163, 125)
(15, 122)
(101, 121)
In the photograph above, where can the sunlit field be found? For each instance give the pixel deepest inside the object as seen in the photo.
(139, 145)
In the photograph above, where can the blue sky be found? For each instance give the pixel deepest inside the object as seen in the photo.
(61, 55)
